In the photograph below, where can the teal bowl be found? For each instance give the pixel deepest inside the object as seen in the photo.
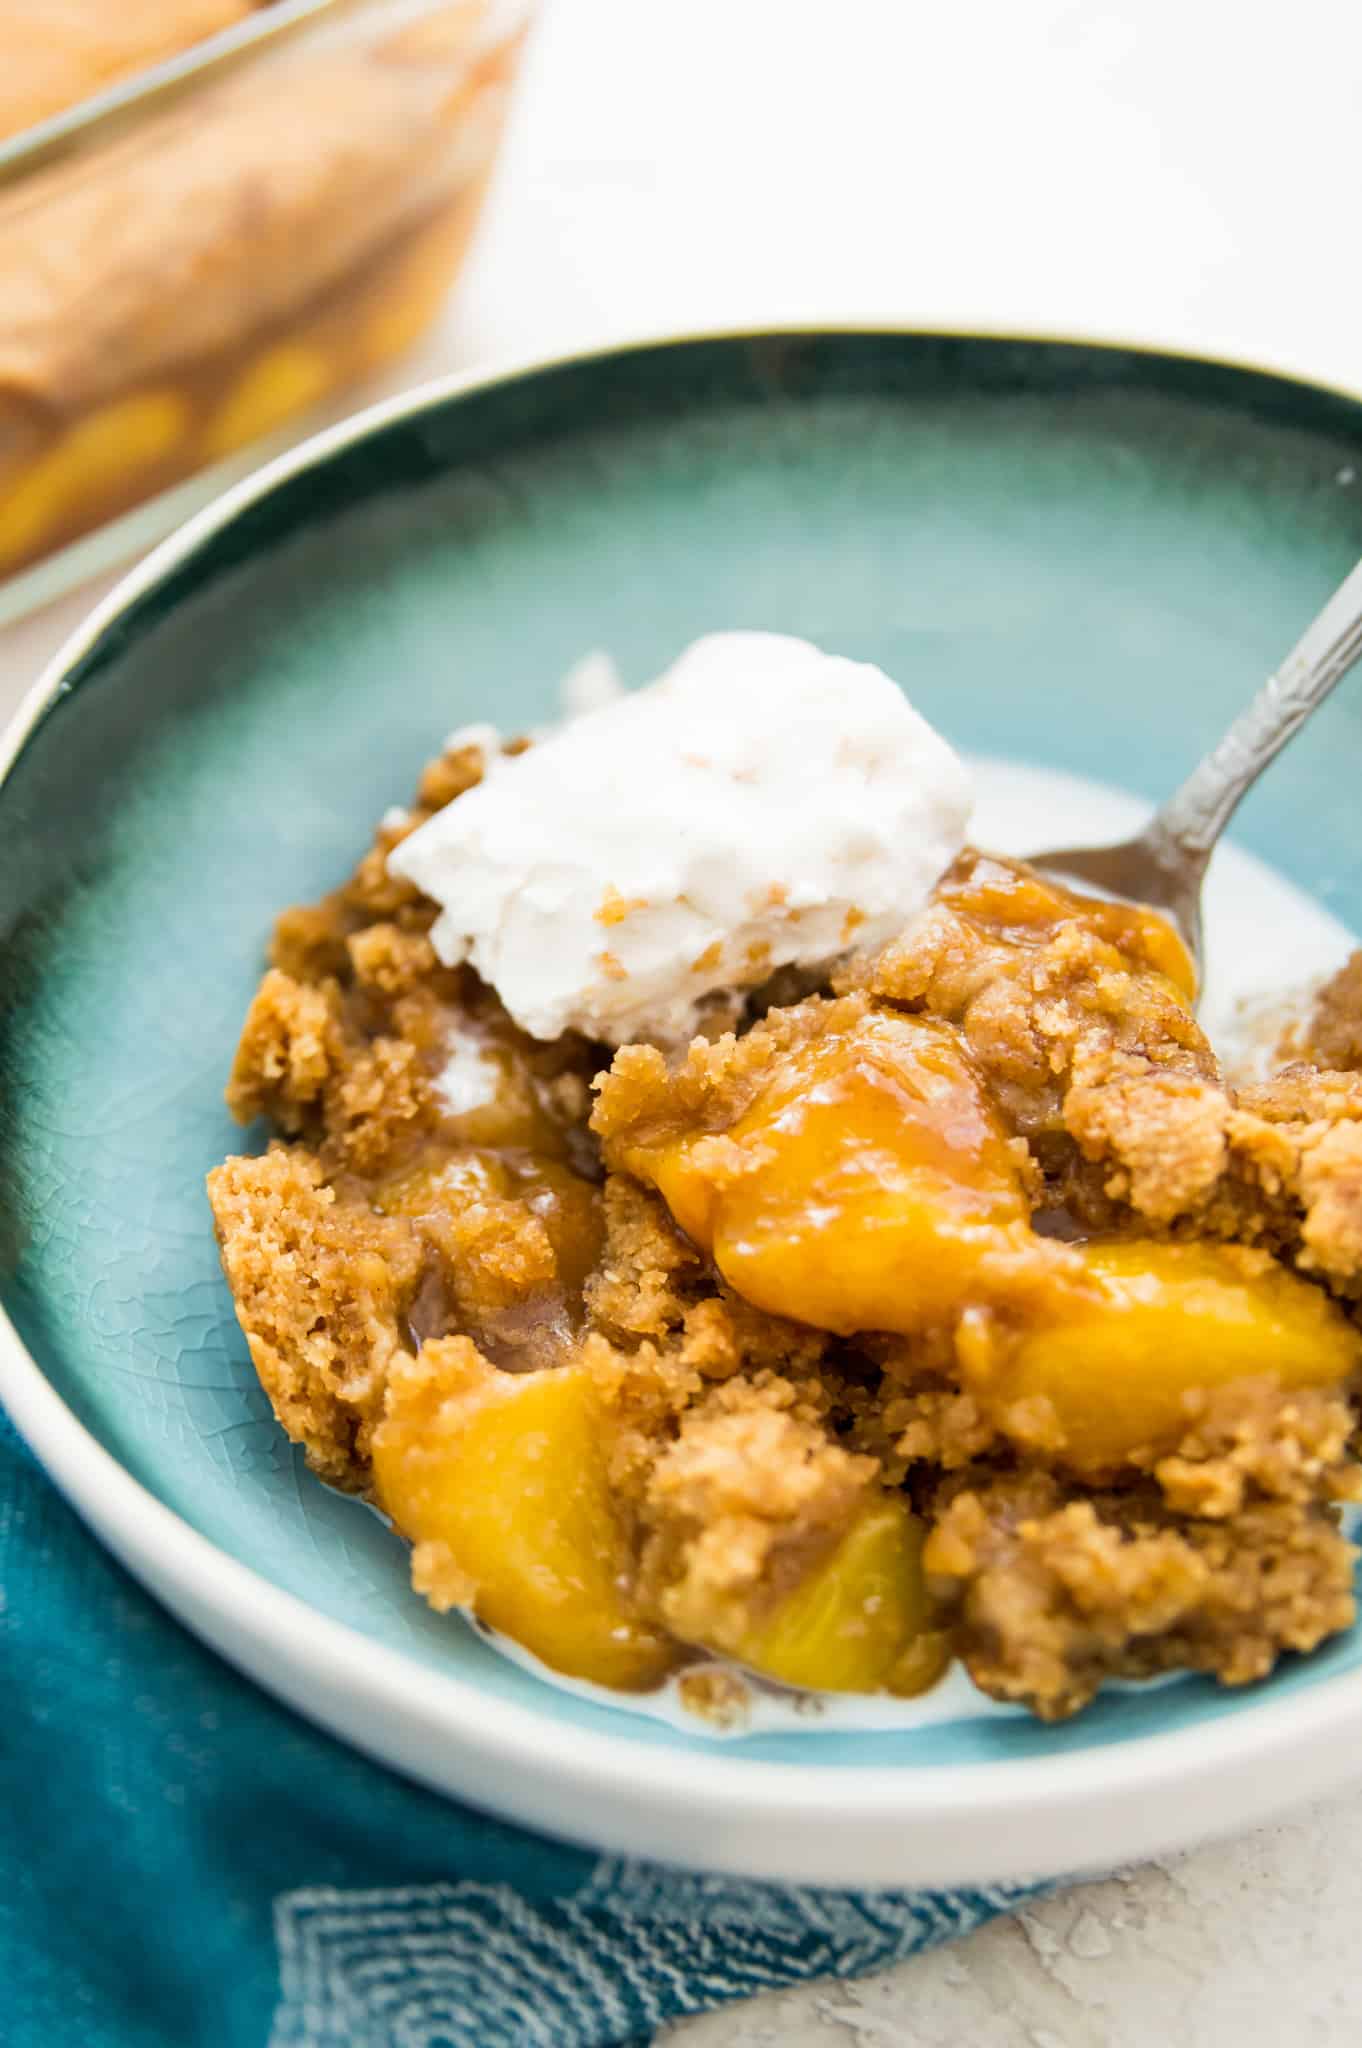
(1073, 556)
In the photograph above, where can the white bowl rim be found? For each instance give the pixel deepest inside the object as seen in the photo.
(838, 1824)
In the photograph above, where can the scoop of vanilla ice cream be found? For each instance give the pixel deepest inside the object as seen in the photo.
(762, 804)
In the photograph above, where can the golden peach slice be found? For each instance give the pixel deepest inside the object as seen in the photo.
(857, 1621)
(866, 1189)
(507, 1481)
(1161, 1321)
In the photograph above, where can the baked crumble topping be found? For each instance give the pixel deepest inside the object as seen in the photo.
(957, 1307)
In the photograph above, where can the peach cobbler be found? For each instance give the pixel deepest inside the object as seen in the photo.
(940, 1302)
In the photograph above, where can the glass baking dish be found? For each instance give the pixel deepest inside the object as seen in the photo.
(222, 238)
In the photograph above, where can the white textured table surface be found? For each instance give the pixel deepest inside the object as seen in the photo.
(1144, 169)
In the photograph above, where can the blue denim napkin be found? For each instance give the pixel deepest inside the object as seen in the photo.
(188, 1865)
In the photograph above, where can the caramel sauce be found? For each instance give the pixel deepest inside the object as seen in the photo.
(1018, 907)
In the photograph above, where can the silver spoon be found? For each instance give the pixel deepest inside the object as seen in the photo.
(1166, 865)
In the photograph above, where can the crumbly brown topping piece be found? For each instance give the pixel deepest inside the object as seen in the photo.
(1055, 1592)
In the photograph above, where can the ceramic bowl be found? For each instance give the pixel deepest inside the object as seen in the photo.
(1073, 556)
